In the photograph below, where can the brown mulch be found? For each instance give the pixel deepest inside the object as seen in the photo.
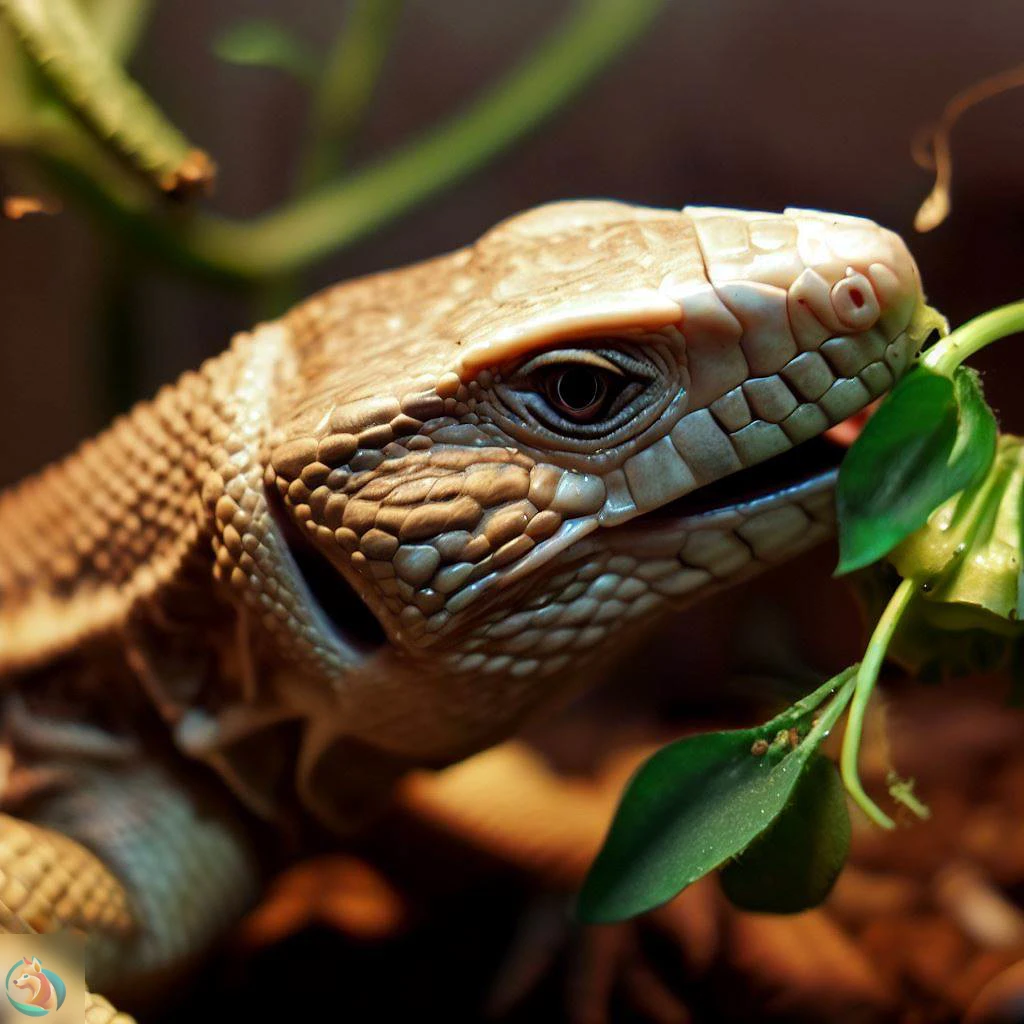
(925, 925)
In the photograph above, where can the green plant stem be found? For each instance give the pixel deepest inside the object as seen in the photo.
(867, 676)
(349, 78)
(336, 215)
(844, 685)
(340, 214)
(67, 52)
(795, 713)
(118, 24)
(959, 345)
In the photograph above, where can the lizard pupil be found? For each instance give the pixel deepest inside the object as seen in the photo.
(579, 392)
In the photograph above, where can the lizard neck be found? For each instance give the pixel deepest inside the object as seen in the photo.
(83, 542)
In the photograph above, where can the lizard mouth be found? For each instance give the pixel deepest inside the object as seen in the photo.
(808, 461)
(811, 465)
(325, 587)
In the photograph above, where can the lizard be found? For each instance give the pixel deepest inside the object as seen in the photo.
(388, 529)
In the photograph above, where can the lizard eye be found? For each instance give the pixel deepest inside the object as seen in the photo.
(585, 398)
(576, 388)
(579, 392)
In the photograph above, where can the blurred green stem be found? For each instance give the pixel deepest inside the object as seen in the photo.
(118, 24)
(69, 53)
(349, 78)
(338, 214)
(341, 213)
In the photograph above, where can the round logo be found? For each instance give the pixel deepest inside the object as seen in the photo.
(33, 989)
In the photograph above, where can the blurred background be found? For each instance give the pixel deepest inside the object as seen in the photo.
(732, 102)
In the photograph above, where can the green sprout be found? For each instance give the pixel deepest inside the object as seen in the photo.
(934, 446)
(932, 488)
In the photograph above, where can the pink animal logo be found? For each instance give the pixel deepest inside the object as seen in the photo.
(33, 989)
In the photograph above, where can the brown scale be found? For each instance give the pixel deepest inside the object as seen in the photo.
(79, 527)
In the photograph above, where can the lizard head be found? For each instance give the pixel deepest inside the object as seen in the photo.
(510, 455)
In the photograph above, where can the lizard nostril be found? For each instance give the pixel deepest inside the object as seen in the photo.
(854, 302)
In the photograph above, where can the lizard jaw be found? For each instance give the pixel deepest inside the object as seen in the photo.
(808, 465)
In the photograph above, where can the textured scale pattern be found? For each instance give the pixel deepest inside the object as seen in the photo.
(90, 535)
(208, 567)
(49, 881)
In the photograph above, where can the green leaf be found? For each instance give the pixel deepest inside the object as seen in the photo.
(931, 438)
(977, 433)
(265, 44)
(793, 865)
(700, 801)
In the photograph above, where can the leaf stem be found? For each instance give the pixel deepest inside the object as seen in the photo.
(844, 685)
(867, 676)
(949, 352)
(795, 713)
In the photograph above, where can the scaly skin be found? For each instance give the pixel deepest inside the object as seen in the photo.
(386, 529)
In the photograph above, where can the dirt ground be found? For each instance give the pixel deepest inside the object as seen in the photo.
(427, 920)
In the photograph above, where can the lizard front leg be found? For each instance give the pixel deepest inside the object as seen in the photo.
(147, 860)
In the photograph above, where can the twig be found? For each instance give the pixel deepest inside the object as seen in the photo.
(66, 50)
